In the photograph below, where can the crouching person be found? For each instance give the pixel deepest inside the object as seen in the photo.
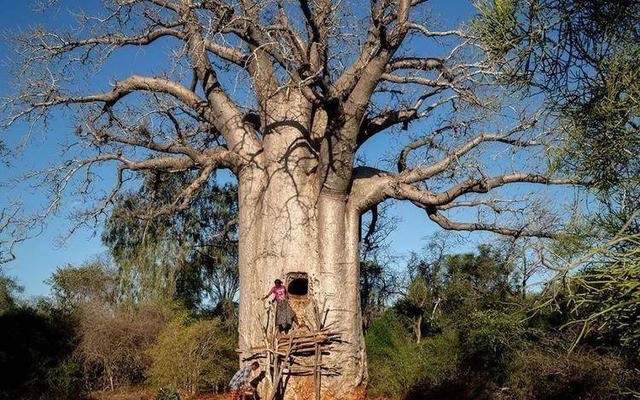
(245, 381)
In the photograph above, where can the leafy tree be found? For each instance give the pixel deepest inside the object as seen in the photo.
(94, 282)
(188, 255)
(9, 288)
(193, 355)
(378, 282)
(583, 56)
(416, 304)
(373, 291)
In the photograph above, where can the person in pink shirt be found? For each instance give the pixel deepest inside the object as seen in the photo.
(284, 313)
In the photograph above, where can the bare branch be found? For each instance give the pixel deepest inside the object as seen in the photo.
(65, 45)
(372, 186)
(437, 217)
(497, 205)
(224, 114)
(416, 144)
(428, 33)
(120, 90)
(422, 173)
(486, 185)
(373, 125)
(14, 229)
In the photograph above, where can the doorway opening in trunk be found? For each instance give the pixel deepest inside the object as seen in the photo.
(298, 284)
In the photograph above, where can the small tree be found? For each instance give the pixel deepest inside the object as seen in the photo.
(193, 355)
(94, 282)
(186, 256)
(9, 288)
(113, 343)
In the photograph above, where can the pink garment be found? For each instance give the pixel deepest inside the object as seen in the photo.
(279, 292)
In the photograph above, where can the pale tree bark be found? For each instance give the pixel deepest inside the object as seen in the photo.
(293, 144)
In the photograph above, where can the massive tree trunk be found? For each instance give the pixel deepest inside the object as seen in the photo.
(289, 225)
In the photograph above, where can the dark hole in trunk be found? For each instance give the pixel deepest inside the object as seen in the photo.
(298, 286)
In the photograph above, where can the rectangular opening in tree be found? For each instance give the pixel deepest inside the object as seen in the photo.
(298, 283)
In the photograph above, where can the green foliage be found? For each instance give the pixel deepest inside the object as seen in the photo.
(167, 394)
(9, 288)
(191, 355)
(472, 281)
(187, 254)
(92, 282)
(583, 57)
(399, 366)
(497, 25)
(489, 340)
(604, 141)
(606, 300)
(416, 304)
(376, 286)
(543, 372)
(483, 343)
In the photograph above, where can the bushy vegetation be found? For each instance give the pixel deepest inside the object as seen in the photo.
(191, 355)
(460, 329)
(484, 341)
(36, 349)
(88, 337)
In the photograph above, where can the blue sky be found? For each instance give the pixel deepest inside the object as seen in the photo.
(39, 257)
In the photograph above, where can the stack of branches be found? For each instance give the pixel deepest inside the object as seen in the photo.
(300, 345)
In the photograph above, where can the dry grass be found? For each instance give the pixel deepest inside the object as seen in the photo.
(147, 394)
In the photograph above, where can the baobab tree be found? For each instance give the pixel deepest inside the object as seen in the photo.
(287, 96)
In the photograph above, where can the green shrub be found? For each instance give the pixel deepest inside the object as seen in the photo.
(489, 340)
(193, 355)
(399, 367)
(167, 394)
(547, 374)
(606, 301)
(36, 346)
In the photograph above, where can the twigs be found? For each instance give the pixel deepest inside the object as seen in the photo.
(297, 353)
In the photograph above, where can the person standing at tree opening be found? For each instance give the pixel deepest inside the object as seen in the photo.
(284, 312)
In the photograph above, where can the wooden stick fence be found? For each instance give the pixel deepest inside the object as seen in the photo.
(297, 353)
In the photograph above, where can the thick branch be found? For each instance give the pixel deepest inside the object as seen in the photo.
(224, 114)
(372, 186)
(117, 40)
(376, 52)
(424, 64)
(123, 88)
(318, 24)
